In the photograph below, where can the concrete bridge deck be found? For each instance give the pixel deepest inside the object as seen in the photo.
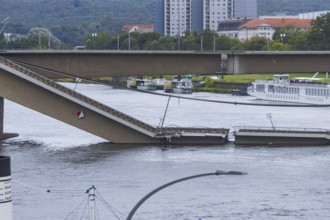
(96, 63)
(39, 93)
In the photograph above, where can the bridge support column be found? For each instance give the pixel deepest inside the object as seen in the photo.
(4, 135)
(1, 114)
(223, 64)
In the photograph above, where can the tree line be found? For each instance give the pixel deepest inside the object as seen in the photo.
(316, 38)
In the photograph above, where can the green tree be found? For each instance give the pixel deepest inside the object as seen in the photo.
(256, 43)
(226, 43)
(208, 39)
(318, 37)
(298, 41)
(2, 42)
(20, 43)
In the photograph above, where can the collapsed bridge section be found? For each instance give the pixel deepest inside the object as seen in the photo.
(41, 94)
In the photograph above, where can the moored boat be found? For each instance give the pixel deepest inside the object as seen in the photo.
(142, 84)
(184, 86)
(146, 84)
(131, 82)
(298, 90)
(168, 86)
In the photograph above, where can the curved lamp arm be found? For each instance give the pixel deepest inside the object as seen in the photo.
(218, 172)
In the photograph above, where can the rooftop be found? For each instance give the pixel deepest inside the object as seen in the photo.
(278, 23)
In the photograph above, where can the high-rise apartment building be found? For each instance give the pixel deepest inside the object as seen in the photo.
(174, 17)
(216, 11)
(177, 17)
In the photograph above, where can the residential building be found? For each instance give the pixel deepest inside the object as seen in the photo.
(215, 11)
(177, 17)
(174, 17)
(267, 27)
(141, 28)
(229, 28)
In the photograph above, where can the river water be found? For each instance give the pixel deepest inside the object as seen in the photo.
(282, 182)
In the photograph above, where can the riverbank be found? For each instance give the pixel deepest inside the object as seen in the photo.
(227, 84)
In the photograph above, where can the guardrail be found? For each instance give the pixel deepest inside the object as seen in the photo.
(281, 129)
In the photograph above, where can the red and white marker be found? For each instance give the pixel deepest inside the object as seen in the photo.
(80, 114)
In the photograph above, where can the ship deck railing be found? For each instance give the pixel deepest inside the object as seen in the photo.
(281, 130)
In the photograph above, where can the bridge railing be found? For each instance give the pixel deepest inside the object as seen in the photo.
(78, 96)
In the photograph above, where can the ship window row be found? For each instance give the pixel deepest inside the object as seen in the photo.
(282, 97)
(317, 92)
(284, 90)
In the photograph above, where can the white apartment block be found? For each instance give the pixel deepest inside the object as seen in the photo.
(177, 17)
(312, 15)
(216, 11)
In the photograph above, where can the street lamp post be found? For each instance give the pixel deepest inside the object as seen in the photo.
(213, 43)
(282, 38)
(94, 35)
(180, 41)
(118, 42)
(39, 41)
(129, 40)
(217, 173)
(269, 115)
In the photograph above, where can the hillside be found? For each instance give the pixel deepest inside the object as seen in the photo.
(73, 20)
(291, 7)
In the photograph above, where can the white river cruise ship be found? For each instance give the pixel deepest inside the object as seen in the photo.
(299, 90)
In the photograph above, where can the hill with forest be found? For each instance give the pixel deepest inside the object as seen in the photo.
(73, 20)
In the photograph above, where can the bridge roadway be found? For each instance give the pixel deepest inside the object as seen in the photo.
(39, 93)
(96, 63)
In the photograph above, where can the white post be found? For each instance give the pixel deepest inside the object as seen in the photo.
(6, 205)
(91, 202)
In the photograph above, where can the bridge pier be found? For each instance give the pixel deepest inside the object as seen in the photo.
(4, 135)
(1, 114)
